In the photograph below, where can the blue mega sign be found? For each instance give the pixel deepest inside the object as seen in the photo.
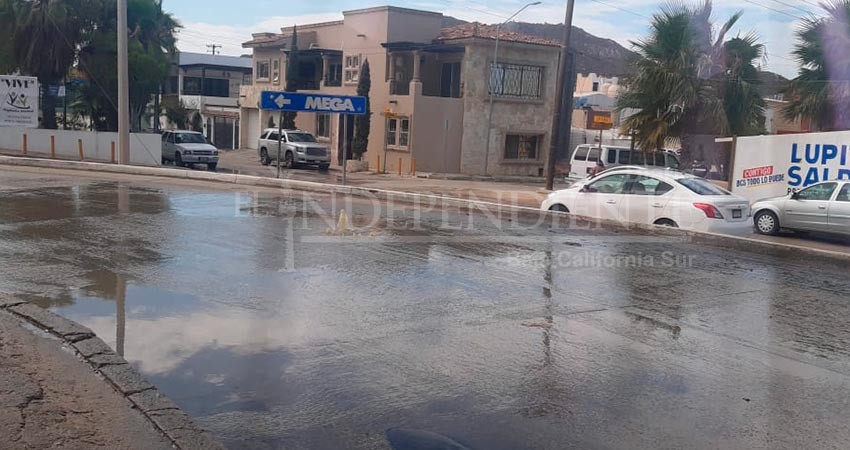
(294, 101)
(818, 162)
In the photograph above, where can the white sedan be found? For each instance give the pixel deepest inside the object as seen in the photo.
(655, 196)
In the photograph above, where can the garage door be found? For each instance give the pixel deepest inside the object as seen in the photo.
(251, 127)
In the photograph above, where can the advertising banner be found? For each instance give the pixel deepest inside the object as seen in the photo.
(18, 101)
(772, 166)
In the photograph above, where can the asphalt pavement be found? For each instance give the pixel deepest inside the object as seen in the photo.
(277, 322)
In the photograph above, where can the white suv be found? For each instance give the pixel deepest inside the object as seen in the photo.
(188, 147)
(297, 148)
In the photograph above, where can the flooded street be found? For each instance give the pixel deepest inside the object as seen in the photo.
(275, 329)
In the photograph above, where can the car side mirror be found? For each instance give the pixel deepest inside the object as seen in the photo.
(795, 196)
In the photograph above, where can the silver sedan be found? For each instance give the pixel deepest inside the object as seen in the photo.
(823, 207)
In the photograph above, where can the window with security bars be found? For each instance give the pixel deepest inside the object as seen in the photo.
(515, 80)
(522, 147)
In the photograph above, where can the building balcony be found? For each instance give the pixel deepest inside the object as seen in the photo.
(199, 102)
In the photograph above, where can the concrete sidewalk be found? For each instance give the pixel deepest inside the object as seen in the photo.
(245, 162)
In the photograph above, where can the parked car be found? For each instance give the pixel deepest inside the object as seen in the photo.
(298, 148)
(185, 148)
(585, 157)
(823, 207)
(654, 196)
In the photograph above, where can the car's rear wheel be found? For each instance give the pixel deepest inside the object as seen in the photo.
(559, 208)
(666, 223)
(767, 223)
(264, 157)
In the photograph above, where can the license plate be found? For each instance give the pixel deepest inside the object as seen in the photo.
(203, 158)
(737, 214)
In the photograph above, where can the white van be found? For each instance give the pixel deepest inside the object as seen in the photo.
(585, 156)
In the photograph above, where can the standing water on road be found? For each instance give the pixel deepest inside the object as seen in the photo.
(433, 329)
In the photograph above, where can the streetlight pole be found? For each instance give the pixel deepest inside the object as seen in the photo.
(560, 97)
(123, 86)
(490, 80)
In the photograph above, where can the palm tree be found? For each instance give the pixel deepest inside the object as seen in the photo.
(45, 35)
(821, 90)
(690, 80)
(741, 86)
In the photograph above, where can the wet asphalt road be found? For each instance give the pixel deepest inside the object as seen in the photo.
(276, 331)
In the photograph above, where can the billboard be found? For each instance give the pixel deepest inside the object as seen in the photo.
(18, 101)
(771, 166)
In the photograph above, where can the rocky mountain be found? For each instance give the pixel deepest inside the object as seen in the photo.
(603, 56)
(593, 54)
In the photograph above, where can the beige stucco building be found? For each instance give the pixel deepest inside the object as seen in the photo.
(430, 95)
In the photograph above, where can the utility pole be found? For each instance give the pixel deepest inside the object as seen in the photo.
(123, 86)
(214, 48)
(563, 99)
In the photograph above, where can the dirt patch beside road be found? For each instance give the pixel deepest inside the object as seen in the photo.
(50, 396)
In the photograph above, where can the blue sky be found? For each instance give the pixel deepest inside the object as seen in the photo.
(229, 23)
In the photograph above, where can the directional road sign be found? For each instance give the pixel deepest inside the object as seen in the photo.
(295, 101)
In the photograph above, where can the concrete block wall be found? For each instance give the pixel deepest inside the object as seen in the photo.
(145, 148)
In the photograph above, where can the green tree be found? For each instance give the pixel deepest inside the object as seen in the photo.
(197, 122)
(690, 80)
(821, 90)
(291, 79)
(741, 85)
(41, 40)
(176, 112)
(363, 123)
(151, 44)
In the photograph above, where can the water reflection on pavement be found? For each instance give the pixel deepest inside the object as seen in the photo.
(276, 331)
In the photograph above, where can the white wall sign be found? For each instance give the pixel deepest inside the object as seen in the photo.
(771, 166)
(18, 101)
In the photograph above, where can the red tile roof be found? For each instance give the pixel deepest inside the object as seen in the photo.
(261, 39)
(482, 31)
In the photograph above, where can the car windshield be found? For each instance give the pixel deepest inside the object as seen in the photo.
(300, 137)
(702, 187)
(190, 138)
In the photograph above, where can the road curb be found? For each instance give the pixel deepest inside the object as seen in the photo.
(431, 200)
(163, 414)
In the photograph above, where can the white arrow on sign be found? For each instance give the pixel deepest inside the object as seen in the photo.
(282, 101)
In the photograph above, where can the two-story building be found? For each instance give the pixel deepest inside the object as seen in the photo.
(431, 90)
(209, 85)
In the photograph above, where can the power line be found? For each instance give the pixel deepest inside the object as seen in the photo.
(809, 2)
(622, 9)
(214, 48)
(772, 9)
(793, 6)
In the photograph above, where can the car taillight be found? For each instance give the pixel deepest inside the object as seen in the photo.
(710, 211)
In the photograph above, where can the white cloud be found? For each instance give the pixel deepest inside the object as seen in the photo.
(619, 20)
(196, 35)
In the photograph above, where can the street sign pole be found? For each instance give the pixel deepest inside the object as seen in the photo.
(279, 140)
(316, 103)
(344, 149)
